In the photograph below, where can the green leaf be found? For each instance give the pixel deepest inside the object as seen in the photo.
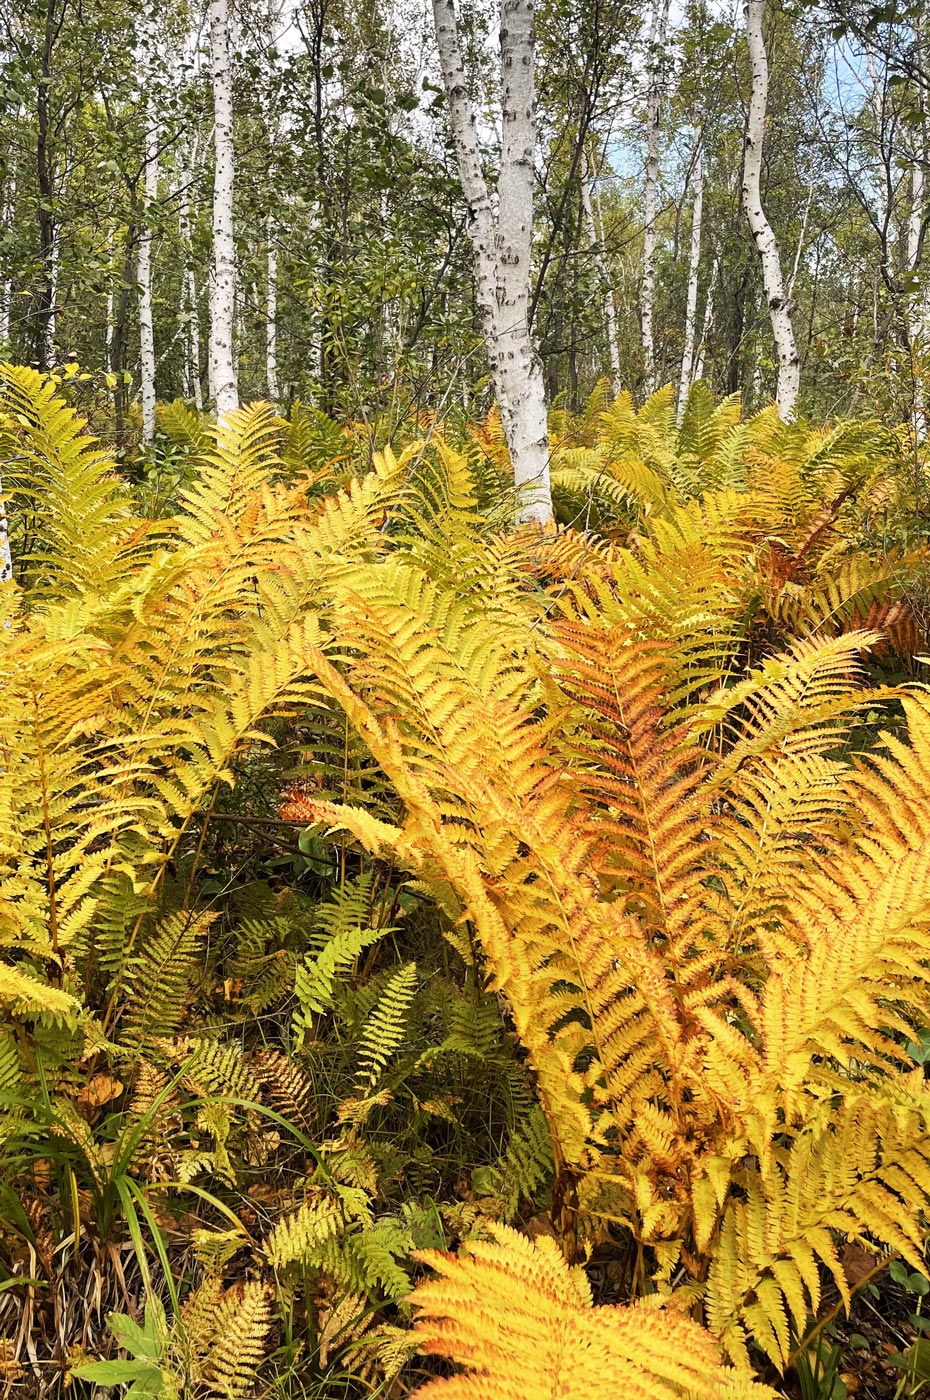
(117, 1372)
(917, 1359)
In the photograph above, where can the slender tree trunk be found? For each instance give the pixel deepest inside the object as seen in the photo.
(44, 349)
(189, 286)
(708, 323)
(917, 319)
(502, 243)
(657, 30)
(694, 263)
(6, 557)
(223, 272)
(144, 274)
(109, 326)
(118, 340)
(6, 290)
(596, 239)
(271, 316)
(789, 364)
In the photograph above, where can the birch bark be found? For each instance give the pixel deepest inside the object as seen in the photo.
(189, 287)
(789, 364)
(708, 323)
(917, 317)
(6, 557)
(271, 316)
(694, 262)
(223, 271)
(144, 278)
(502, 242)
(657, 31)
(596, 239)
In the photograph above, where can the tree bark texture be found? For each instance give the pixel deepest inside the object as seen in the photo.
(502, 241)
(596, 240)
(223, 271)
(779, 306)
(657, 31)
(144, 275)
(694, 263)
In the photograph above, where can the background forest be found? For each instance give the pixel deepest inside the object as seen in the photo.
(464, 733)
(353, 272)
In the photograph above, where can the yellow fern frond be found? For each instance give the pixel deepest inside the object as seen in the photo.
(242, 1320)
(521, 1323)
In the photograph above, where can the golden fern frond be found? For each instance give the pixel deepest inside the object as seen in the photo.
(866, 904)
(305, 1234)
(71, 523)
(521, 1322)
(675, 587)
(241, 1323)
(183, 428)
(585, 477)
(244, 459)
(647, 813)
(23, 994)
(860, 1168)
(793, 701)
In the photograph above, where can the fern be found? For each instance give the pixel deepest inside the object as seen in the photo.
(521, 1323)
(72, 528)
(158, 981)
(386, 1028)
(241, 1322)
(344, 923)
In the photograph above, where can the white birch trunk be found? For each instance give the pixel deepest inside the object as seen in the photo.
(595, 237)
(224, 389)
(698, 372)
(109, 328)
(6, 291)
(190, 307)
(6, 557)
(502, 245)
(789, 364)
(51, 325)
(917, 316)
(271, 316)
(657, 31)
(694, 263)
(144, 277)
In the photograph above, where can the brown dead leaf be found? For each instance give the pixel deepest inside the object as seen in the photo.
(102, 1089)
(857, 1262)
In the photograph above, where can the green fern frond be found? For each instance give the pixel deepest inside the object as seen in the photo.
(158, 980)
(386, 1028)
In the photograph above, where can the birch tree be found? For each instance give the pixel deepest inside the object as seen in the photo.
(596, 240)
(779, 305)
(223, 271)
(698, 371)
(917, 318)
(189, 304)
(144, 275)
(502, 240)
(657, 31)
(694, 262)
